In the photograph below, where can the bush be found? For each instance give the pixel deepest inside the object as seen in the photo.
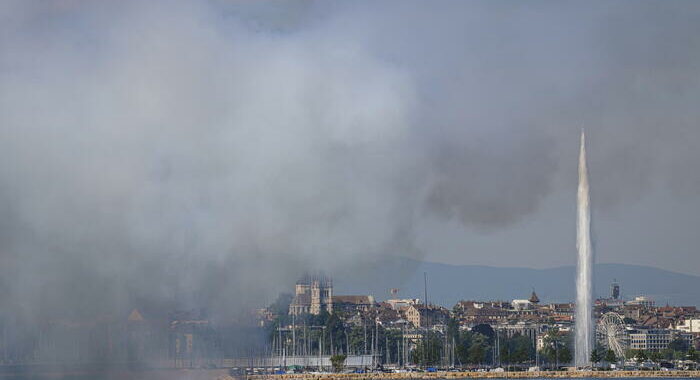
(338, 362)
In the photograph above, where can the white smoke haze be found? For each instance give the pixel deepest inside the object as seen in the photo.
(155, 149)
(207, 153)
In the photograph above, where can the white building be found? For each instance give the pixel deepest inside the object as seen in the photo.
(641, 300)
(690, 325)
(521, 304)
(655, 339)
(530, 330)
(398, 304)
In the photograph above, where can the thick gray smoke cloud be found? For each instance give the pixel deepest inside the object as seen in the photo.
(175, 154)
(208, 153)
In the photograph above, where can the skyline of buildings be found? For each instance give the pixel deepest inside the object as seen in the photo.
(644, 326)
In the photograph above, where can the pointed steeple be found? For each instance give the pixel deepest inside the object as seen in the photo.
(533, 297)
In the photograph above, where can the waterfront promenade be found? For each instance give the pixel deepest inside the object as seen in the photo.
(477, 375)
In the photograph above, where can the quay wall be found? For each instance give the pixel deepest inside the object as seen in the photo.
(477, 375)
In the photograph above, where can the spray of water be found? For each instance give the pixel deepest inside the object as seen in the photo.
(584, 320)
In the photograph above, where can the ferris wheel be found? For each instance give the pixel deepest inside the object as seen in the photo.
(612, 327)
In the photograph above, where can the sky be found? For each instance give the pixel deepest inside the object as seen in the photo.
(177, 152)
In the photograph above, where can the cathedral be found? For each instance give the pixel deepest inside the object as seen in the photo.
(312, 294)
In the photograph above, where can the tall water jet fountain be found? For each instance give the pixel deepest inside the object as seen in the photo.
(584, 290)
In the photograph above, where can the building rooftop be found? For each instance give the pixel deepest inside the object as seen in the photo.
(357, 300)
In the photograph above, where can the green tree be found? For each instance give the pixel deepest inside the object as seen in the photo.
(428, 351)
(556, 348)
(320, 319)
(666, 354)
(338, 362)
(693, 354)
(392, 337)
(610, 356)
(678, 344)
(478, 349)
(641, 356)
(679, 355)
(517, 349)
(335, 333)
(565, 355)
(524, 350)
(463, 343)
(356, 339)
(453, 329)
(655, 356)
(596, 356)
(485, 330)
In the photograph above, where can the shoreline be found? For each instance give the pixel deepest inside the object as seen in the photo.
(478, 375)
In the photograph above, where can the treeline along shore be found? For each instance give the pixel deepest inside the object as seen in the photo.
(477, 375)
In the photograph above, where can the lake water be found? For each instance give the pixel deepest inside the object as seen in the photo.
(200, 374)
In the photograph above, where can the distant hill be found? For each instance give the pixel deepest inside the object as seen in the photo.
(448, 284)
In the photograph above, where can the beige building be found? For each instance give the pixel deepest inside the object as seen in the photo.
(691, 325)
(425, 316)
(311, 295)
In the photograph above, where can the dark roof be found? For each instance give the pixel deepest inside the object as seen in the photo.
(431, 309)
(357, 300)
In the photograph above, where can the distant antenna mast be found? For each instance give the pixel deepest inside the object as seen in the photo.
(425, 290)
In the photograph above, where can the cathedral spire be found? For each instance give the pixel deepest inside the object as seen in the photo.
(533, 297)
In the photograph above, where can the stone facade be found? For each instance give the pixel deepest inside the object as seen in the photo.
(312, 295)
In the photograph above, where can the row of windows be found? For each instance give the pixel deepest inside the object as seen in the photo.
(651, 340)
